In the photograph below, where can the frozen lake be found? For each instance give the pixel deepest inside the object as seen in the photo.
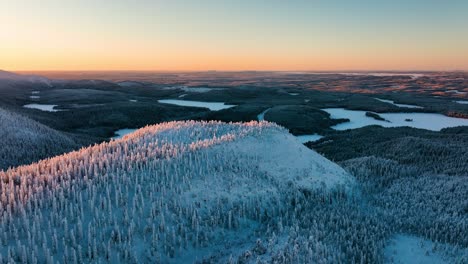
(122, 132)
(427, 121)
(42, 107)
(261, 116)
(213, 106)
(384, 74)
(307, 138)
(399, 105)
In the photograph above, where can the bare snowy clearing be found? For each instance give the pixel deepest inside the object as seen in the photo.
(406, 249)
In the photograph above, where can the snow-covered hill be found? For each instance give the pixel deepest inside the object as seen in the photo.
(174, 192)
(23, 140)
(5, 75)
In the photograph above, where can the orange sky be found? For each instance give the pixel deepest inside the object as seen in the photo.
(248, 35)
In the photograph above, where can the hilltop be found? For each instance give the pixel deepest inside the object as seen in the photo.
(167, 192)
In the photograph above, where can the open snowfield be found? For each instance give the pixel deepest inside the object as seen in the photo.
(165, 193)
(427, 121)
(213, 106)
(405, 249)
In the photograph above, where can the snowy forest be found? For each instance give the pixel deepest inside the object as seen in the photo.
(213, 192)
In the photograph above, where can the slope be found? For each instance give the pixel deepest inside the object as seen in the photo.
(23, 140)
(173, 192)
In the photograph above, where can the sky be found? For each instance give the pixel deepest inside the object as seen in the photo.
(174, 35)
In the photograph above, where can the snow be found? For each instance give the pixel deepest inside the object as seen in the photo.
(122, 132)
(293, 94)
(307, 138)
(167, 193)
(261, 116)
(428, 121)
(34, 97)
(133, 100)
(461, 102)
(399, 105)
(182, 95)
(35, 92)
(213, 106)
(412, 250)
(43, 107)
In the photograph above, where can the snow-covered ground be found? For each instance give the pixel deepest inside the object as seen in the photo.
(307, 138)
(213, 106)
(405, 249)
(427, 121)
(43, 107)
(122, 132)
(461, 102)
(399, 105)
(171, 192)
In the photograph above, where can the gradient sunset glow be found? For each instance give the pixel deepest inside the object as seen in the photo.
(233, 35)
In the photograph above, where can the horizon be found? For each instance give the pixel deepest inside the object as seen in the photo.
(181, 36)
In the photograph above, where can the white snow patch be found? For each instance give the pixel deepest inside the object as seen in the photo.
(182, 95)
(293, 94)
(34, 97)
(428, 121)
(412, 250)
(461, 102)
(43, 107)
(133, 100)
(399, 105)
(213, 106)
(307, 138)
(35, 92)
